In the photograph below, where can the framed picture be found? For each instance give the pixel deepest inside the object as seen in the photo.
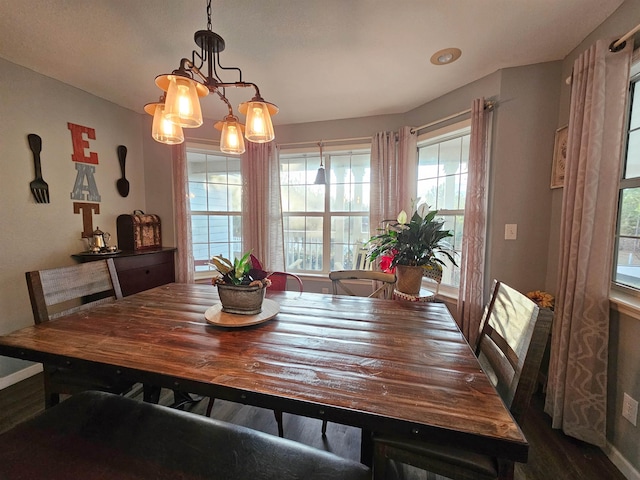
(559, 158)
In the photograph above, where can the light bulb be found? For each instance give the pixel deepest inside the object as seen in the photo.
(163, 130)
(182, 105)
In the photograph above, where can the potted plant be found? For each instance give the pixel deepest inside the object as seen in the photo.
(413, 247)
(241, 284)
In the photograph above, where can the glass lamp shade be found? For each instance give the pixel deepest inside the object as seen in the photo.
(182, 106)
(163, 130)
(231, 140)
(259, 128)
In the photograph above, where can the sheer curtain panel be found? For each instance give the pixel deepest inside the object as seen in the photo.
(184, 254)
(577, 384)
(393, 175)
(472, 261)
(262, 230)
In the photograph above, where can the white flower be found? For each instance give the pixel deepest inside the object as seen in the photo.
(402, 217)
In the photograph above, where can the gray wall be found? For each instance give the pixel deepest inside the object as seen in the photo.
(36, 236)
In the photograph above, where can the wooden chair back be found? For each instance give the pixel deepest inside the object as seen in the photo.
(59, 291)
(511, 345)
(382, 283)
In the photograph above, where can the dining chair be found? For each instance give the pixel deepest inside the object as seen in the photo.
(382, 283)
(279, 281)
(59, 291)
(512, 341)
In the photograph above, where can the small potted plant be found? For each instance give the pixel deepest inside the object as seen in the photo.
(413, 247)
(241, 284)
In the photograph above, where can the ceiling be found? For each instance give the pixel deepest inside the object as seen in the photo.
(315, 59)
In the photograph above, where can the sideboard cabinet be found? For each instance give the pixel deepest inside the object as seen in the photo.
(139, 270)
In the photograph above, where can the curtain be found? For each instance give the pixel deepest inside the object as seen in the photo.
(407, 169)
(472, 258)
(393, 175)
(184, 254)
(262, 230)
(577, 384)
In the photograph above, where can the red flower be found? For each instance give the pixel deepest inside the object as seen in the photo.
(385, 262)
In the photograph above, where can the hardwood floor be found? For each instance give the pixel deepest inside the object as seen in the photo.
(553, 455)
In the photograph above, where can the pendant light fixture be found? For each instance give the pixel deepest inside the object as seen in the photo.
(196, 78)
(231, 139)
(163, 130)
(321, 177)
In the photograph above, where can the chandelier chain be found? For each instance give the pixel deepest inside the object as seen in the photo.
(209, 15)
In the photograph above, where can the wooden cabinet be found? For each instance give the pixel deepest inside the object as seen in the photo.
(140, 270)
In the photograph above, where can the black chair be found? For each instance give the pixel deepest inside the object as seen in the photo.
(512, 340)
(100, 436)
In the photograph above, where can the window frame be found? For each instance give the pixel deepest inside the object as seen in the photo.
(212, 150)
(435, 136)
(312, 154)
(626, 183)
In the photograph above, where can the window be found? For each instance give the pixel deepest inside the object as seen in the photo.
(627, 252)
(324, 225)
(215, 193)
(443, 158)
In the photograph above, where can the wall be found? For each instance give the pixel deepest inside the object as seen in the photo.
(36, 236)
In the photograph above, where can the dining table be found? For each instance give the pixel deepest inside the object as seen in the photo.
(380, 365)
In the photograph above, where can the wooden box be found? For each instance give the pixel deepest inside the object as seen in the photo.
(138, 231)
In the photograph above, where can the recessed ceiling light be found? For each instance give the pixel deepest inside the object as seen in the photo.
(446, 56)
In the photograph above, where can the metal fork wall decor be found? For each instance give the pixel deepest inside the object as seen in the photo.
(39, 188)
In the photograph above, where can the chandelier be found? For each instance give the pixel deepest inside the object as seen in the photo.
(179, 105)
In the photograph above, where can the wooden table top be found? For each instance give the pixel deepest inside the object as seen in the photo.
(380, 365)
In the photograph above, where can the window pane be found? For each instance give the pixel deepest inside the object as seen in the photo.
(633, 155)
(635, 109)
(197, 196)
(442, 184)
(427, 191)
(315, 197)
(348, 234)
(450, 156)
(303, 242)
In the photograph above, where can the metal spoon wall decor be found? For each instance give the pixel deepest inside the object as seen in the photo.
(122, 184)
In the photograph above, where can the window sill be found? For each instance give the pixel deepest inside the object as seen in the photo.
(625, 303)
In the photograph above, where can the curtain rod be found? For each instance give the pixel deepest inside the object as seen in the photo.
(316, 142)
(488, 105)
(614, 47)
(621, 40)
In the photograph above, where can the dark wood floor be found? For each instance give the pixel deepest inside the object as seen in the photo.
(552, 454)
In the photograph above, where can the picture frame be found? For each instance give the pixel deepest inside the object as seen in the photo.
(559, 157)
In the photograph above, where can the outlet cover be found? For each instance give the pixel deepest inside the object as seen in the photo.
(630, 409)
(511, 231)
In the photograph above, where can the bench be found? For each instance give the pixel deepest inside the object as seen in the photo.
(97, 435)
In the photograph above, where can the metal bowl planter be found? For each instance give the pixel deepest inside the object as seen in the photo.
(241, 299)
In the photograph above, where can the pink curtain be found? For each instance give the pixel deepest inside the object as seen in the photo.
(262, 230)
(472, 259)
(393, 175)
(577, 384)
(184, 254)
